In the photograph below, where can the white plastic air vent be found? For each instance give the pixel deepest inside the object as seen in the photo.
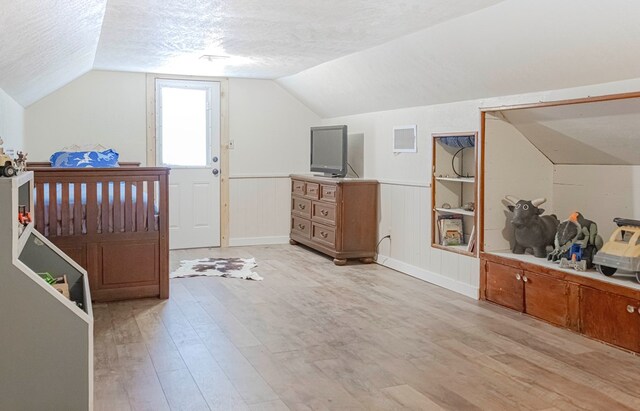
(404, 139)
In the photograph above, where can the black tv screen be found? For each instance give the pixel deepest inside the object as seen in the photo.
(329, 150)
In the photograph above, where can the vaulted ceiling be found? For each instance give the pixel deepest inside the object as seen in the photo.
(338, 56)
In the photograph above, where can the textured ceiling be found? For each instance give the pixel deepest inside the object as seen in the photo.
(592, 133)
(44, 44)
(263, 38)
(514, 47)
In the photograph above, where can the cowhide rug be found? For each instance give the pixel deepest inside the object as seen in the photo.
(218, 267)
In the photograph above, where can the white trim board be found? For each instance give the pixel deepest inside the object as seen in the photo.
(238, 242)
(434, 278)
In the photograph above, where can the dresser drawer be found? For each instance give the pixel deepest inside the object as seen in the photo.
(323, 212)
(328, 192)
(301, 206)
(297, 187)
(323, 234)
(312, 191)
(301, 226)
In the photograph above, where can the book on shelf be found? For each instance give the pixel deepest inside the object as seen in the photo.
(471, 245)
(451, 229)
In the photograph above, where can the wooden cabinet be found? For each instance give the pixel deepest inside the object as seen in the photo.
(610, 317)
(597, 309)
(539, 295)
(336, 216)
(505, 286)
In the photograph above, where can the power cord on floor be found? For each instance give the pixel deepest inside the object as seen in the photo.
(378, 245)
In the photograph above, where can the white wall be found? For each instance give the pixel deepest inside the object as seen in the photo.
(405, 193)
(576, 186)
(513, 166)
(269, 127)
(100, 107)
(11, 123)
(270, 131)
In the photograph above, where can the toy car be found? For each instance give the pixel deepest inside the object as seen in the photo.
(622, 251)
(6, 163)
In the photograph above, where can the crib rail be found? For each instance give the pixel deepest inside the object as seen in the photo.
(100, 201)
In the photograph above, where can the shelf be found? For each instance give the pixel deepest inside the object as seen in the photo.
(455, 211)
(458, 249)
(470, 180)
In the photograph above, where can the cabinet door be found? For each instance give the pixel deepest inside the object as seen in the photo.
(505, 286)
(610, 317)
(547, 298)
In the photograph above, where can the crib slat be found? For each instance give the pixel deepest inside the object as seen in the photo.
(128, 207)
(139, 206)
(105, 207)
(92, 208)
(150, 206)
(65, 209)
(117, 208)
(40, 207)
(53, 210)
(77, 209)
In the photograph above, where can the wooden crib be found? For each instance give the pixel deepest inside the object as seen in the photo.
(118, 231)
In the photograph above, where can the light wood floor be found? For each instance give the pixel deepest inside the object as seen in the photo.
(313, 336)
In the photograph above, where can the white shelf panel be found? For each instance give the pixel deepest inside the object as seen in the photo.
(457, 179)
(454, 211)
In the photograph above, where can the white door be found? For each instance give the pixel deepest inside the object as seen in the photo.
(188, 141)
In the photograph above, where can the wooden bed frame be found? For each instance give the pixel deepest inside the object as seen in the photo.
(123, 243)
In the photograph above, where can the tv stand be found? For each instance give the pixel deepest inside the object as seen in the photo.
(335, 216)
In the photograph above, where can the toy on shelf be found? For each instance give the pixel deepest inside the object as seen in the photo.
(576, 242)
(24, 217)
(7, 168)
(622, 251)
(531, 229)
(21, 161)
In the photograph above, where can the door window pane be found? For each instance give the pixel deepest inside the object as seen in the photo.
(183, 121)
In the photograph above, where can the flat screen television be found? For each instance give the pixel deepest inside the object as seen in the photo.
(329, 150)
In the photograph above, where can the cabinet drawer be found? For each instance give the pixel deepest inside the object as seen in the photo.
(301, 226)
(297, 187)
(301, 206)
(610, 317)
(323, 234)
(547, 298)
(505, 286)
(312, 191)
(323, 212)
(328, 192)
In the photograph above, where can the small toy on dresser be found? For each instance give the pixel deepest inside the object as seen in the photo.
(531, 229)
(622, 251)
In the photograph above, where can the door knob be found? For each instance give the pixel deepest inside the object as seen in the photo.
(215, 171)
(215, 159)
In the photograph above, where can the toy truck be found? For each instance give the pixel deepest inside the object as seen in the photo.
(622, 251)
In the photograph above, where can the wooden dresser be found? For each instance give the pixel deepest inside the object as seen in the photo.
(336, 216)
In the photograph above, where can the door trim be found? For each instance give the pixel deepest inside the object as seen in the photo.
(224, 139)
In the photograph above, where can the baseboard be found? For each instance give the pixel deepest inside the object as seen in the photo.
(236, 242)
(430, 277)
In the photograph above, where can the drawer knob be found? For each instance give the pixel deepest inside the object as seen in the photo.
(525, 279)
(324, 212)
(323, 234)
(328, 192)
(518, 277)
(631, 308)
(301, 226)
(301, 206)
